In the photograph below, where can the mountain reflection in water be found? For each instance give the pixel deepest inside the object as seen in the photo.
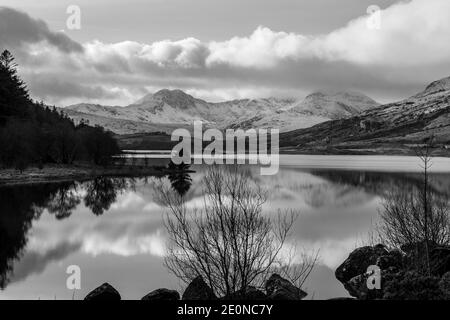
(113, 227)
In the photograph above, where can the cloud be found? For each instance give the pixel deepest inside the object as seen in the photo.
(48, 86)
(410, 50)
(18, 29)
(34, 262)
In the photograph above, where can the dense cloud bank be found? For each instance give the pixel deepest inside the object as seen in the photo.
(409, 50)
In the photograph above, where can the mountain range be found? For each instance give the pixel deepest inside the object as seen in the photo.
(168, 109)
(397, 127)
(323, 122)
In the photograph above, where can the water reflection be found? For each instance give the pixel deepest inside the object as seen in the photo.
(179, 177)
(102, 192)
(64, 201)
(19, 206)
(97, 222)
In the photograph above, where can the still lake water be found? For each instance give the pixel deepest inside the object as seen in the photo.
(112, 228)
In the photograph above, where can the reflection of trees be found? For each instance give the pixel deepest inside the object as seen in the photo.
(102, 193)
(19, 205)
(65, 200)
(179, 177)
(379, 183)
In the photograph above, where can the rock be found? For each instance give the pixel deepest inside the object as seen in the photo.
(357, 287)
(198, 290)
(410, 285)
(440, 260)
(394, 259)
(104, 292)
(358, 261)
(444, 285)
(162, 294)
(250, 293)
(439, 257)
(353, 271)
(278, 288)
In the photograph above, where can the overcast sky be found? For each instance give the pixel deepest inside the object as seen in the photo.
(229, 49)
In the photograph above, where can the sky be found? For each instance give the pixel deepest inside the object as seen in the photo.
(220, 50)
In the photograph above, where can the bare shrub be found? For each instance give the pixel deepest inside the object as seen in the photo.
(228, 241)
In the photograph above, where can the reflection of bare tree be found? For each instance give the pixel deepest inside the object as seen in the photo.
(64, 201)
(102, 193)
(229, 242)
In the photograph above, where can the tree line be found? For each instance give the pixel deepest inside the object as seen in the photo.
(32, 133)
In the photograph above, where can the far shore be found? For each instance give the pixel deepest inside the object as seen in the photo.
(78, 172)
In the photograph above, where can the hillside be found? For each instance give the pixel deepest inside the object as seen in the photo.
(390, 128)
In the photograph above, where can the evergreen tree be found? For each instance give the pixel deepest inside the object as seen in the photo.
(33, 133)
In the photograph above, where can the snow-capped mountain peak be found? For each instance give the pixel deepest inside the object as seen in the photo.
(335, 105)
(177, 107)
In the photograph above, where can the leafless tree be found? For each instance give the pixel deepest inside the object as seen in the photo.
(230, 242)
(417, 216)
(298, 265)
(403, 219)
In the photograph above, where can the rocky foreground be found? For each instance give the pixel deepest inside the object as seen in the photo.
(399, 279)
(276, 288)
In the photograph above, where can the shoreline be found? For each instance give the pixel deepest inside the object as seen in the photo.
(83, 171)
(64, 173)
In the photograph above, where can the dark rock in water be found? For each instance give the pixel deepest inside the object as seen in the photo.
(278, 288)
(358, 261)
(162, 294)
(251, 293)
(104, 292)
(198, 290)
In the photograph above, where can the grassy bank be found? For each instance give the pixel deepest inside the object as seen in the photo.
(60, 173)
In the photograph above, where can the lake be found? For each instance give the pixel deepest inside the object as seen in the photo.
(112, 228)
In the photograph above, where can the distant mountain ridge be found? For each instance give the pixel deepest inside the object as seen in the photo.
(391, 128)
(168, 108)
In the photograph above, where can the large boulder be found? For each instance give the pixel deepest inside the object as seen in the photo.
(198, 290)
(250, 293)
(352, 273)
(105, 292)
(162, 294)
(278, 288)
(402, 272)
(358, 261)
